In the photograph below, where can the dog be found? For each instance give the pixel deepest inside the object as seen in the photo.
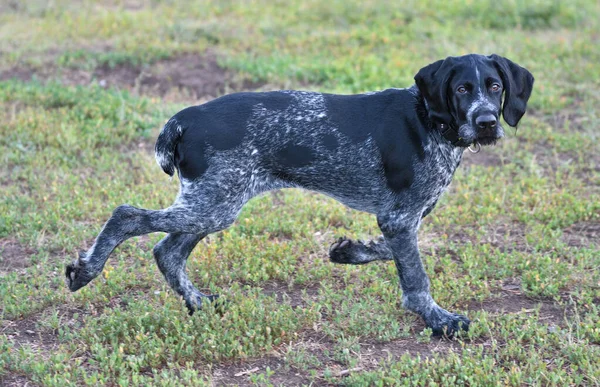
(391, 153)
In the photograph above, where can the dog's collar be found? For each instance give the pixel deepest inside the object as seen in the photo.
(451, 134)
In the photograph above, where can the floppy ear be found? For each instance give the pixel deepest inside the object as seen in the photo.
(518, 84)
(432, 81)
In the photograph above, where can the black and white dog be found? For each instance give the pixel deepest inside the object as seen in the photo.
(391, 153)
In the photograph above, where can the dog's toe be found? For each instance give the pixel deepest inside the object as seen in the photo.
(342, 251)
(333, 247)
(78, 275)
(457, 324)
(70, 274)
(199, 301)
(219, 303)
(340, 242)
(71, 271)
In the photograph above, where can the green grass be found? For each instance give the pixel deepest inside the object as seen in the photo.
(515, 244)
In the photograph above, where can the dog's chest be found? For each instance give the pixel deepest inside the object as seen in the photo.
(434, 174)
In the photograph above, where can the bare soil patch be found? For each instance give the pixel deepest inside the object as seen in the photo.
(14, 255)
(184, 77)
(508, 236)
(32, 332)
(582, 234)
(13, 380)
(567, 119)
(548, 158)
(285, 373)
(22, 73)
(198, 76)
(484, 158)
(27, 332)
(371, 356)
(512, 301)
(504, 234)
(239, 374)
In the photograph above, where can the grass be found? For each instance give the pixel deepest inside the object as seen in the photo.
(514, 244)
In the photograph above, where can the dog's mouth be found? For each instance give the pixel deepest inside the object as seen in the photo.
(489, 136)
(487, 140)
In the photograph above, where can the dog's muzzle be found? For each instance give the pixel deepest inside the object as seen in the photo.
(488, 129)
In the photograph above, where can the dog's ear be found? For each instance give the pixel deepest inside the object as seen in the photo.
(432, 81)
(518, 84)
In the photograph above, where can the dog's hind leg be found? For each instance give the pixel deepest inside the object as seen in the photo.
(171, 255)
(349, 252)
(128, 221)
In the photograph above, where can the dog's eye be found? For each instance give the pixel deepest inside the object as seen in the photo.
(495, 87)
(461, 90)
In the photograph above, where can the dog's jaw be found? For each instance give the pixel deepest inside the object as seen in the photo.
(470, 135)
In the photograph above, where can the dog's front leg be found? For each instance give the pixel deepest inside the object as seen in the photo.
(400, 232)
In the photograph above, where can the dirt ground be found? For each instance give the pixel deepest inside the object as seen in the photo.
(187, 77)
(195, 78)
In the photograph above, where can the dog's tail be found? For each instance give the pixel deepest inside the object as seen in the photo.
(164, 150)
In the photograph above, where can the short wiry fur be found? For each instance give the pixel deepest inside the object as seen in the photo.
(391, 153)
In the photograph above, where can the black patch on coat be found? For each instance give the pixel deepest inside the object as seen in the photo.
(276, 100)
(390, 118)
(191, 160)
(217, 125)
(330, 142)
(294, 156)
(220, 123)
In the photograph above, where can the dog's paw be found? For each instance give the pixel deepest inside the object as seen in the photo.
(198, 302)
(77, 275)
(446, 324)
(346, 251)
(339, 249)
(349, 252)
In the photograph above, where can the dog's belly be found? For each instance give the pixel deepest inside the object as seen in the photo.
(354, 176)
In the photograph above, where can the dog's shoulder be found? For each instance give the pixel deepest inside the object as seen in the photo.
(393, 119)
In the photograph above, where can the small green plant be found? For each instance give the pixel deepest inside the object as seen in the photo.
(513, 244)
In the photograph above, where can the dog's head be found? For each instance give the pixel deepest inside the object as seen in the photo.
(466, 93)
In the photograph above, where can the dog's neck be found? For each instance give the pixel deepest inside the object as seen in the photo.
(450, 133)
(444, 150)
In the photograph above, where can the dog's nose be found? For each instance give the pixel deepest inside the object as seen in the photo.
(486, 121)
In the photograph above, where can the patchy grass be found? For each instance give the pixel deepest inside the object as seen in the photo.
(515, 244)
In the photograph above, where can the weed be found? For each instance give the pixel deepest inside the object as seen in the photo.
(512, 244)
